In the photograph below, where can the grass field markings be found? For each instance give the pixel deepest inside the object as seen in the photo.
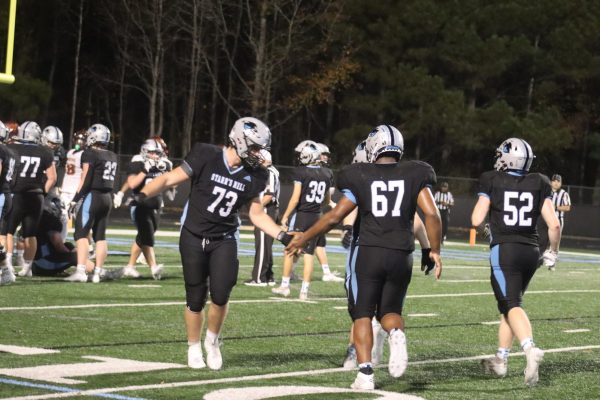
(490, 323)
(417, 315)
(61, 389)
(576, 272)
(292, 374)
(25, 351)
(464, 280)
(576, 330)
(278, 300)
(143, 286)
(340, 308)
(268, 392)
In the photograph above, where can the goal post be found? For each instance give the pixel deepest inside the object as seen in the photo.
(6, 76)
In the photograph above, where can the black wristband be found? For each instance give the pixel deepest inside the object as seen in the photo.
(425, 251)
(284, 238)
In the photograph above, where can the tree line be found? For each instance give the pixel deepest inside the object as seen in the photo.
(455, 77)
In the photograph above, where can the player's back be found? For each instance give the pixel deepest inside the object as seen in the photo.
(516, 202)
(7, 176)
(72, 171)
(32, 162)
(102, 166)
(315, 181)
(386, 195)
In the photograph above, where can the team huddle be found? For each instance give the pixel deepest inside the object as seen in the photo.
(380, 197)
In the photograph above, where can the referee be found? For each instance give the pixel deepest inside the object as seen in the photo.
(562, 204)
(444, 202)
(262, 273)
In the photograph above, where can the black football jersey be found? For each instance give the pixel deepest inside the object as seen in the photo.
(136, 166)
(516, 203)
(315, 181)
(9, 165)
(32, 162)
(217, 191)
(102, 167)
(386, 196)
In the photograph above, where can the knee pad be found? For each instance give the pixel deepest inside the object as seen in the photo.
(195, 307)
(220, 298)
(195, 297)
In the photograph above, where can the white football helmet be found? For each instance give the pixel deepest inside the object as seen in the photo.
(29, 132)
(52, 135)
(324, 153)
(248, 136)
(384, 139)
(307, 152)
(513, 154)
(3, 132)
(359, 155)
(151, 146)
(98, 134)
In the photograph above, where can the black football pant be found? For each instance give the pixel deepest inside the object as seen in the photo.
(263, 244)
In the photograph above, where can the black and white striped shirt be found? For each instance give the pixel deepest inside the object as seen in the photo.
(273, 186)
(560, 198)
(443, 200)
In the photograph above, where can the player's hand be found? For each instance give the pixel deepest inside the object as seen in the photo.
(427, 264)
(550, 258)
(487, 231)
(284, 223)
(346, 236)
(171, 193)
(149, 164)
(296, 244)
(73, 209)
(118, 199)
(437, 259)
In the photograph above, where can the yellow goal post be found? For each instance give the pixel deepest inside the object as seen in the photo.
(6, 76)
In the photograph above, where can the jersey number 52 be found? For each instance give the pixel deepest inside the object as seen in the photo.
(516, 205)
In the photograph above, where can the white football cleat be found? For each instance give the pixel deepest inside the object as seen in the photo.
(213, 354)
(364, 382)
(141, 259)
(398, 353)
(332, 277)
(19, 261)
(282, 290)
(96, 276)
(534, 357)
(157, 271)
(77, 276)
(350, 360)
(195, 359)
(379, 335)
(25, 271)
(131, 272)
(7, 276)
(303, 295)
(495, 366)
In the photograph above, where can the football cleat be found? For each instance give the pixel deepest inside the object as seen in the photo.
(350, 360)
(7, 277)
(214, 360)
(282, 290)
(252, 282)
(77, 276)
(495, 366)
(303, 295)
(332, 277)
(25, 271)
(364, 382)
(19, 261)
(130, 272)
(141, 259)
(534, 357)
(398, 353)
(195, 359)
(157, 271)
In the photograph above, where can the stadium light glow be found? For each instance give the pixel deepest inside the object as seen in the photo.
(7, 76)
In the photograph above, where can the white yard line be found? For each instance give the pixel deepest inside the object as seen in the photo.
(276, 300)
(268, 376)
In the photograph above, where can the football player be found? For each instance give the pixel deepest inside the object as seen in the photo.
(37, 176)
(222, 180)
(144, 167)
(7, 170)
(72, 175)
(387, 193)
(514, 200)
(93, 201)
(310, 193)
(52, 138)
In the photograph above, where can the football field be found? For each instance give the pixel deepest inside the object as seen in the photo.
(125, 339)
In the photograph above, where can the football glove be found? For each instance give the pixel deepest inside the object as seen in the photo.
(347, 236)
(118, 199)
(284, 238)
(427, 264)
(487, 231)
(171, 193)
(73, 209)
(149, 164)
(550, 258)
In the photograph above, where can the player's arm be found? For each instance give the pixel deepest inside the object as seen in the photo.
(564, 208)
(292, 204)
(421, 232)
(480, 211)
(56, 240)
(324, 224)
(51, 178)
(85, 182)
(331, 203)
(327, 200)
(553, 224)
(433, 227)
(262, 221)
(165, 181)
(266, 199)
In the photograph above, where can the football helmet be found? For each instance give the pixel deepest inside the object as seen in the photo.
(151, 146)
(97, 134)
(79, 139)
(513, 154)
(307, 152)
(384, 139)
(3, 132)
(29, 132)
(325, 154)
(359, 155)
(162, 143)
(52, 135)
(248, 136)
